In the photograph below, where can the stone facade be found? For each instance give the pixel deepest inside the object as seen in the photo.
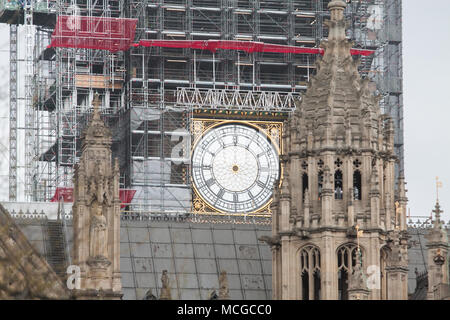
(338, 198)
(96, 213)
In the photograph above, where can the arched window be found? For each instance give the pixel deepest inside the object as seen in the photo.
(338, 187)
(304, 185)
(347, 256)
(357, 192)
(310, 273)
(320, 184)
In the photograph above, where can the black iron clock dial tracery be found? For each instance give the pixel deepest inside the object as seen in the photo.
(234, 167)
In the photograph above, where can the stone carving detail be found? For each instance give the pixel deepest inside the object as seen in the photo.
(96, 212)
(165, 289)
(98, 236)
(224, 293)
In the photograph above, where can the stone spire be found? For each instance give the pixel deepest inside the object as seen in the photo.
(338, 102)
(96, 133)
(96, 213)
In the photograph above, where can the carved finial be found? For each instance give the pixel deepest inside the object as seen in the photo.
(336, 7)
(165, 289)
(398, 212)
(224, 293)
(438, 185)
(96, 105)
(337, 23)
(437, 215)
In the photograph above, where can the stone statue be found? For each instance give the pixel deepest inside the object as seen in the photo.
(356, 280)
(224, 293)
(98, 232)
(165, 289)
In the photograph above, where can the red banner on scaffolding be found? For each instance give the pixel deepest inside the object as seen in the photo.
(247, 46)
(113, 34)
(66, 195)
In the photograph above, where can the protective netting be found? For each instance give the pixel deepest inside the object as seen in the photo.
(65, 194)
(113, 34)
(247, 46)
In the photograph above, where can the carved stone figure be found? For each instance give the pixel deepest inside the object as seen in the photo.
(224, 292)
(165, 289)
(96, 214)
(99, 233)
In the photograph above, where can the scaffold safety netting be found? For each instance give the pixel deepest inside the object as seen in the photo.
(113, 34)
(247, 46)
(65, 194)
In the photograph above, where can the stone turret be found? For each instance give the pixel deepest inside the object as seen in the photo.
(96, 213)
(339, 173)
(438, 266)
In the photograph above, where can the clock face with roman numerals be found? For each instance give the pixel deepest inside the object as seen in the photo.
(234, 167)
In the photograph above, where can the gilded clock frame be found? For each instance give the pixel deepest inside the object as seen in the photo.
(271, 129)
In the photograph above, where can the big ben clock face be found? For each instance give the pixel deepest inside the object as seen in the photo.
(234, 167)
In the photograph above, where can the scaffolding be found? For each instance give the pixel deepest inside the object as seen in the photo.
(242, 80)
(151, 94)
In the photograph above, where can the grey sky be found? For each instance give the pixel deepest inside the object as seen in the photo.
(426, 71)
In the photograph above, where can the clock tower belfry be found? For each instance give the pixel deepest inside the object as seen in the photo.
(339, 223)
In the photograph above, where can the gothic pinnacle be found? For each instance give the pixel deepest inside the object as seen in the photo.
(96, 106)
(337, 23)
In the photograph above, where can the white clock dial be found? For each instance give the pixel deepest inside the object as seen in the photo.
(234, 167)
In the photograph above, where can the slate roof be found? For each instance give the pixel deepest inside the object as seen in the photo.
(195, 253)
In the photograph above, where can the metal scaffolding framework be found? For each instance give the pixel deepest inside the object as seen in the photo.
(151, 94)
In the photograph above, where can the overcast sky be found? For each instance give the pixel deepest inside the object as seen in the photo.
(426, 71)
(426, 79)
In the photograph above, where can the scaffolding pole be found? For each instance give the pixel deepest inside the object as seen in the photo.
(13, 112)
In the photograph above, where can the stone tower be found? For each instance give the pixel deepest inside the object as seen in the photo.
(338, 218)
(96, 214)
(438, 266)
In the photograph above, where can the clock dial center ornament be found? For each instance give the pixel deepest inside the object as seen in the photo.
(243, 164)
(234, 167)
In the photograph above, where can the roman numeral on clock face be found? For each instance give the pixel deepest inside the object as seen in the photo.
(260, 183)
(220, 193)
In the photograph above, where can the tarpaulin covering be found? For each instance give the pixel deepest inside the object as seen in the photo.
(66, 195)
(113, 34)
(247, 46)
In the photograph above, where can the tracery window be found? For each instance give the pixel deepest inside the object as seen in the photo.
(347, 256)
(357, 192)
(310, 273)
(338, 187)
